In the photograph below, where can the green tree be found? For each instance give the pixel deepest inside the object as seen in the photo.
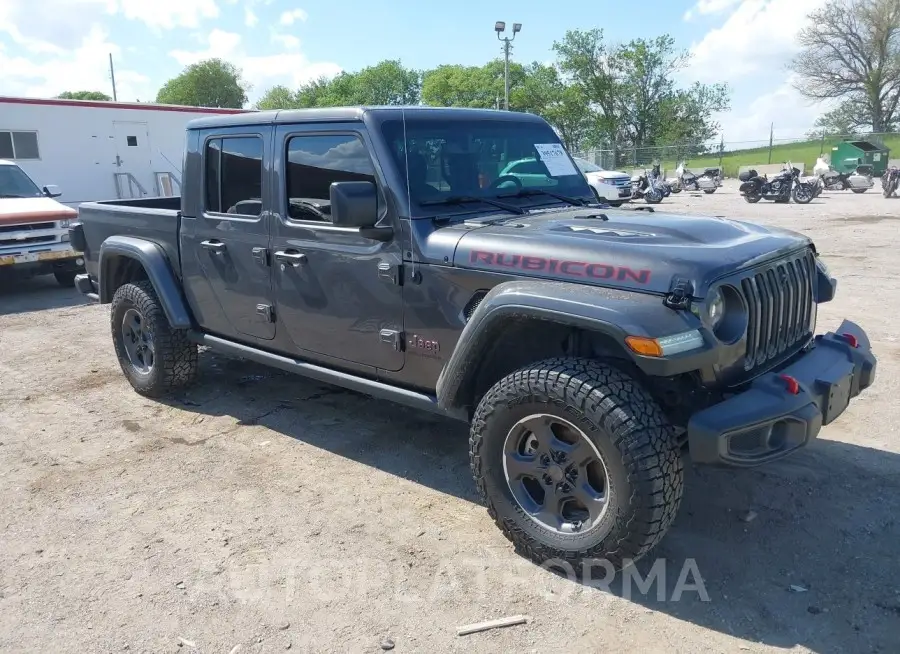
(84, 95)
(479, 87)
(631, 91)
(209, 83)
(850, 51)
(278, 97)
(544, 92)
(386, 83)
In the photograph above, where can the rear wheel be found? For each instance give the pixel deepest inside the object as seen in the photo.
(709, 191)
(65, 277)
(752, 198)
(155, 358)
(576, 462)
(614, 203)
(859, 190)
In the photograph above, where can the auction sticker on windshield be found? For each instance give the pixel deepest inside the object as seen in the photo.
(555, 158)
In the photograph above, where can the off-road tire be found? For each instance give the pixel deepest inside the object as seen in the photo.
(65, 278)
(628, 429)
(175, 356)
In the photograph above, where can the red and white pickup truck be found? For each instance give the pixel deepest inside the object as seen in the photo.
(34, 230)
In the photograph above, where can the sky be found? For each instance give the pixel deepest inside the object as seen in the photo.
(65, 45)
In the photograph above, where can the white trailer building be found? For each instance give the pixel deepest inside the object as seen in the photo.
(98, 150)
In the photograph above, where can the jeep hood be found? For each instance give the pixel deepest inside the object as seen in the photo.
(631, 250)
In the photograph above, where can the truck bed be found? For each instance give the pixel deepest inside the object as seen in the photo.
(153, 219)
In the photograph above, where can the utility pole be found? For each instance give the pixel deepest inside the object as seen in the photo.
(771, 140)
(500, 27)
(112, 76)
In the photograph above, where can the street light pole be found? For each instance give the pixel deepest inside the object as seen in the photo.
(500, 27)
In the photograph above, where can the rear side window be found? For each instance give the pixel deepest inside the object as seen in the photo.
(314, 162)
(234, 175)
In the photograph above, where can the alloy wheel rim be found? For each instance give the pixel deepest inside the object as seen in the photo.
(137, 339)
(556, 474)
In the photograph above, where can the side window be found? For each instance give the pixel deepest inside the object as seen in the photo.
(19, 145)
(234, 175)
(314, 162)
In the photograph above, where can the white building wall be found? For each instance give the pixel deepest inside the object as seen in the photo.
(78, 145)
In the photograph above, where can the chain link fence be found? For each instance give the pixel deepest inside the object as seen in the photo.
(733, 155)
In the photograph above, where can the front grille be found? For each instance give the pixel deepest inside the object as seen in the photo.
(29, 227)
(31, 240)
(780, 302)
(621, 182)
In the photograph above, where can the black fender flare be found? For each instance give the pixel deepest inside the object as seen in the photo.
(610, 312)
(155, 263)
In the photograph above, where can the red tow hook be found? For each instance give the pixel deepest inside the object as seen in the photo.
(793, 386)
(851, 339)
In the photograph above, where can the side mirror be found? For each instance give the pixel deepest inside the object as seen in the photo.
(353, 204)
(51, 191)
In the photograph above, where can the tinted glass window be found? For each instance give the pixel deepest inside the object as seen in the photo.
(25, 145)
(6, 151)
(234, 175)
(314, 162)
(14, 183)
(443, 158)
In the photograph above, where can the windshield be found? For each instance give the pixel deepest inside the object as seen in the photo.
(586, 166)
(14, 183)
(481, 158)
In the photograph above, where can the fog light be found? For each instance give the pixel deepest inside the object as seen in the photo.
(79, 261)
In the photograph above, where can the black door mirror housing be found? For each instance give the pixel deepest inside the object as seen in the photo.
(51, 191)
(353, 204)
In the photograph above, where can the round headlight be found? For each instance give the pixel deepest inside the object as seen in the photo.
(715, 309)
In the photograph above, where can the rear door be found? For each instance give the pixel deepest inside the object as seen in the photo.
(225, 245)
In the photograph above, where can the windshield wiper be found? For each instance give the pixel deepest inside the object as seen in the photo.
(527, 192)
(460, 199)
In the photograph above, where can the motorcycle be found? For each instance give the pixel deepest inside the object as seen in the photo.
(647, 186)
(890, 181)
(657, 179)
(859, 181)
(781, 188)
(708, 181)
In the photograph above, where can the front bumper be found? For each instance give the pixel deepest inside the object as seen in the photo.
(767, 421)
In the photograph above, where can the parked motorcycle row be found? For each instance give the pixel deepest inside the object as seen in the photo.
(652, 187)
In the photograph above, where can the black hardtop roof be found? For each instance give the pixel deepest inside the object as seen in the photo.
(351, 114)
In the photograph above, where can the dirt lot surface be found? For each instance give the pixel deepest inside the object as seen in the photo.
(260, 512)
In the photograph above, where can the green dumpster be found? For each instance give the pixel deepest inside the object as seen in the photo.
(846, 156)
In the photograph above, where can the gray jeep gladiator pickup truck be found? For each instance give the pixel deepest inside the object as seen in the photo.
(383, 250)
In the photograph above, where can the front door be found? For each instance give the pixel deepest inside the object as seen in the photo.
(225, 246)
(133, 169)
(336, 293)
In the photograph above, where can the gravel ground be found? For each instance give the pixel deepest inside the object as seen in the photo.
(260, 512)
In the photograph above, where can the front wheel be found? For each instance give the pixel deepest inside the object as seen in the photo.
(614, 203)
(576, 462)
(802, 194)
(155, 358)
(676, 189)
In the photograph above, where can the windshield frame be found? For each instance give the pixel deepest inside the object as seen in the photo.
(17, 170)
(382, 128)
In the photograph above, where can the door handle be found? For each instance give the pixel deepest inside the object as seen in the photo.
(291, 257)
(215, 246)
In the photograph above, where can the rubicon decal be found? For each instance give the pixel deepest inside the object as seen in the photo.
(566, 267)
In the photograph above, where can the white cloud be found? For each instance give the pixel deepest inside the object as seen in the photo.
(84, 68)
(250, 19)
(709, 7)
(291, 17)
(167, 14)
(758, 35)
(288, 41)
(292, 68)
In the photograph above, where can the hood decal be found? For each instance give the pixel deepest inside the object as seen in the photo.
(564, 267)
